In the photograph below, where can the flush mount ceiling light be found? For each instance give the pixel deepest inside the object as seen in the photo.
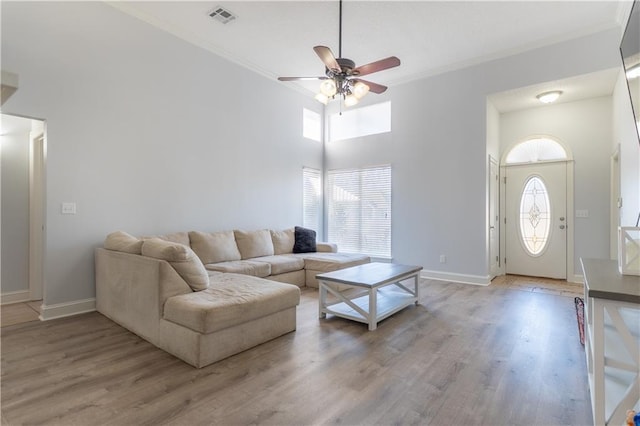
(548, 97)
(342, 77)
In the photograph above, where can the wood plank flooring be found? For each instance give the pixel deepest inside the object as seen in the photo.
(467, 355)
(18, 313)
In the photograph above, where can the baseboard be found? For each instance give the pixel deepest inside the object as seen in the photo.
(578, 279)
(61, 310)
(456, 278)
(15, 297)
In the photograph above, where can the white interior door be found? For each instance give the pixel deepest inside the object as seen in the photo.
(536, 220)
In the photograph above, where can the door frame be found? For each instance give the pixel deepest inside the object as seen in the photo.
(493, 268)
(615, 203)
(37, 219)
(37, 212)
(570, 273)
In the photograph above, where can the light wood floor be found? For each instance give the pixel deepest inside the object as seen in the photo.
(18, 313)
(467, 355)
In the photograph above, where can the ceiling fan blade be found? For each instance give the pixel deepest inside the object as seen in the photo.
(326, 55)
(301, 78)
(373, 87)
(376, 66)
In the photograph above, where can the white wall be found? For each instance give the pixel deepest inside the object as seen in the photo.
(625, 135)
(438, 151)
(585, 128)
(148, 134)
(14, 165)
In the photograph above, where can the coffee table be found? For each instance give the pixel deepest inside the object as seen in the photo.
(382, 295)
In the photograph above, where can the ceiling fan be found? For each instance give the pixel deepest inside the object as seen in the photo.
(343, 77)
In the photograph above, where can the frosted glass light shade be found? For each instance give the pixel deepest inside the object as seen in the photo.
(322, 98)
(360, 89)
(328, 88)
(350, 100)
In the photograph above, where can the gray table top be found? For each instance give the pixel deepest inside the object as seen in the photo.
(603, 280)
(370, 274)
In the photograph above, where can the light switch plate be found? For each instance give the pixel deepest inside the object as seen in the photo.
(68, 208)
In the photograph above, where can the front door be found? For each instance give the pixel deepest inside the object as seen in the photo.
(536, 220)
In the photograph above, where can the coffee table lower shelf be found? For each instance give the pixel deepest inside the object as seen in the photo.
(389, 301)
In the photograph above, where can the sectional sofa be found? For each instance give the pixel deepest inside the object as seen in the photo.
(204, 296)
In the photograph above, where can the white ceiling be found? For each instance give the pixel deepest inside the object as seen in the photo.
(430, 37)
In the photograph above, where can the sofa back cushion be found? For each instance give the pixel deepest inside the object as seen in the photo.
(214, 247)
(121, 241)
(254, 243)
(283, 241)
(175, 237)
(181, 258)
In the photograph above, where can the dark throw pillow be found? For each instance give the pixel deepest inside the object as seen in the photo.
(305, 240)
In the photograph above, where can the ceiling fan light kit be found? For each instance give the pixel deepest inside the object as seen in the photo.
(342, 75)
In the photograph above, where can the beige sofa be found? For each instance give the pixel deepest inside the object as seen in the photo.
(206, 296)
(267, 254)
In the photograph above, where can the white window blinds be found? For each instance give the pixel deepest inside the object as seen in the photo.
(359, 209)
(311, 198)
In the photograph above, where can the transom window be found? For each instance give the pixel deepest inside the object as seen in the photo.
(536, 149)
(369, 120)
(311, 125)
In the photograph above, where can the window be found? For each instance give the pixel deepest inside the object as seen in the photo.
(311, 198)
(534, 150)
(534, 216)
(311, 125)
(369, 120)
(359, 209)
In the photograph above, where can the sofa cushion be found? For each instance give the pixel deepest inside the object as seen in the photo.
(181, 258)
(254, 243)
(305, 240)
(328, 262)
(214, 247)
(231, 299)
(246, 267)
(283, 241)
(282, 263)
(175, 237)
(121, 241)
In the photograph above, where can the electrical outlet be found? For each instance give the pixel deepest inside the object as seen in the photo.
(443, 258)
(68, 208)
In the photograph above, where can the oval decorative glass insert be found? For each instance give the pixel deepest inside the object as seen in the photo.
(535, 216)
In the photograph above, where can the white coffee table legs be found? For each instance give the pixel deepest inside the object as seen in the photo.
(376, 304)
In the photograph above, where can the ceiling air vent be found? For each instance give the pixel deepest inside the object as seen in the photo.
(221, 14)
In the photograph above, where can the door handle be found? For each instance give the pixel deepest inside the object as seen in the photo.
(561, 219)
(561, 226)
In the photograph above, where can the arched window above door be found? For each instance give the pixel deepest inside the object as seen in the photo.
(536, 149)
